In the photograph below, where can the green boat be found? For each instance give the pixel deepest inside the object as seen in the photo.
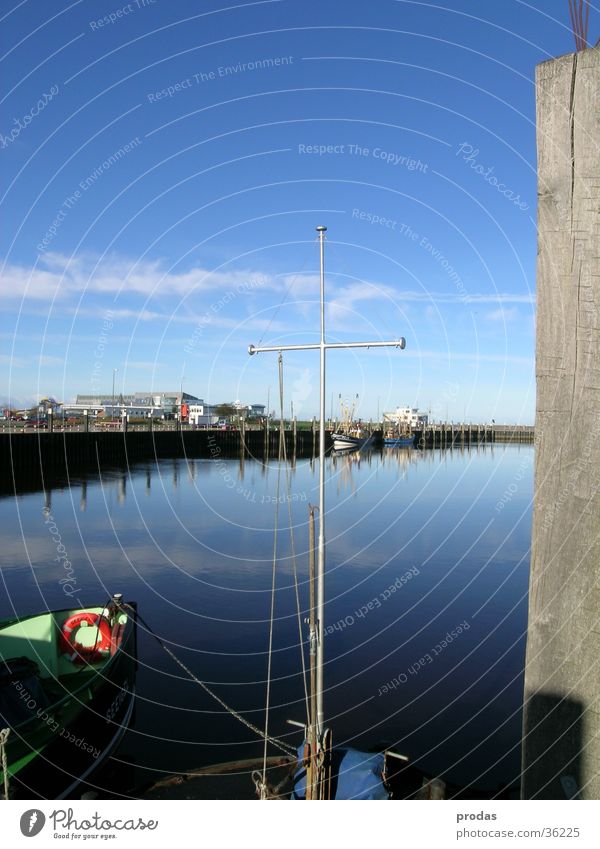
(67, 686)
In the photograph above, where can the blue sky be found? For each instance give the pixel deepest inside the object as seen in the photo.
(164, 165)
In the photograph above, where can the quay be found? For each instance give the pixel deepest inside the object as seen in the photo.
(30, 458)
(451, 434)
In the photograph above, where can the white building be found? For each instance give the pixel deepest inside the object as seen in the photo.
(406, 416)
(201, 414)
(136, 404)
(250, 411)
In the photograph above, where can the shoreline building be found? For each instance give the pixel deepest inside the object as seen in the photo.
(165, 405)
(158, 405)
(406, 417)
(249, 411)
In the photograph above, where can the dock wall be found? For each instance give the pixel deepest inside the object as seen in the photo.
(35, 459)
(26, 459)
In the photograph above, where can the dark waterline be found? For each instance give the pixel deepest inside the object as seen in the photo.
(427, 575)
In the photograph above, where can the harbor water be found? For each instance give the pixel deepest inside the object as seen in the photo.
(427, 578)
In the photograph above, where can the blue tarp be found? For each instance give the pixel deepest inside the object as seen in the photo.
(355, 775)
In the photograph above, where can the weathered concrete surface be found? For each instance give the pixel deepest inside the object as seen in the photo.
(562, 679)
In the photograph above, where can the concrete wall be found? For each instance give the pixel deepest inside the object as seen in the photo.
(561, 745)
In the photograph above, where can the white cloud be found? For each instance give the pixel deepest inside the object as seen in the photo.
(47, 360)
(452, 298)
(343, 305)
(13, 362)
(502, 314)
(60, 276)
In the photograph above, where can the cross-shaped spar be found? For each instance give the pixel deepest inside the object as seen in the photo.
(322, 346)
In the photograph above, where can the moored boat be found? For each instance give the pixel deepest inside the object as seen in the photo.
(398, 441)
(67, 687)
(350, 436)
(396, 436)
(348, 441)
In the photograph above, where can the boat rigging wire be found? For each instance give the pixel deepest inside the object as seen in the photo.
(280, 744)
(261, 785)
(293, 549)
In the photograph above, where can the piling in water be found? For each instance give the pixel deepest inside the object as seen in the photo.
(561, 726)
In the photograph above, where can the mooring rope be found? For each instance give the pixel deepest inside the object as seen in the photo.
(4, 732)
(284, 747)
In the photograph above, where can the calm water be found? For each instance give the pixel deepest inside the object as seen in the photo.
(420, 546)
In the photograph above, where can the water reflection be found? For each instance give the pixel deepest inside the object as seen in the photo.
(192, 542)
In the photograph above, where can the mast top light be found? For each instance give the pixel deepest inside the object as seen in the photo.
(321, 228)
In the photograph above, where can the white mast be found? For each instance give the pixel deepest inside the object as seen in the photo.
(323, 346)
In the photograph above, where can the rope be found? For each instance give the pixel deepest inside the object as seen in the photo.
(4, 732)
(284, 747)
(270, 654)
(261, 782)
(260, 785)
(293, 547)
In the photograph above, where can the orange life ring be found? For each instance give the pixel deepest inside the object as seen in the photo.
(79, 653)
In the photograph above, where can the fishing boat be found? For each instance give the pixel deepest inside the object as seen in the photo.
(396, 438)
(350, 441)
(67, 687)
(350, 435)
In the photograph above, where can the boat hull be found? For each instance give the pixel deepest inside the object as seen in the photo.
(400, 441)
(71, 738)
(343, 442)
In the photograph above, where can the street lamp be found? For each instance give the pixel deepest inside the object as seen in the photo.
(112, 412)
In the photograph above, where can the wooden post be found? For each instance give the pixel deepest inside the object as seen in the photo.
(561, 723)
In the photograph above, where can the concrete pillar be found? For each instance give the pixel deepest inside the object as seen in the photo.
(561, 724)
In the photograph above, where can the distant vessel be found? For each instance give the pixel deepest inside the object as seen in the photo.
(350, 435)
(351, 441)
(398, 441)
(396, 437)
